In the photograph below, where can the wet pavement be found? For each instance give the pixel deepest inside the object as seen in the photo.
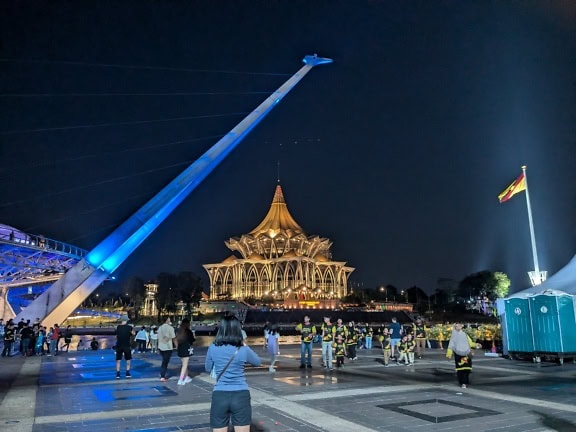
(77, 391)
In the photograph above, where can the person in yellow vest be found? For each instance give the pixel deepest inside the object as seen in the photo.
(368, 336)
(339, 350)
(410, 345)
(386, 346)
(460, 346)
(341, 329)
(351, 341)
(420, 337)
(307, 332)
(403, 351)
(328, 332)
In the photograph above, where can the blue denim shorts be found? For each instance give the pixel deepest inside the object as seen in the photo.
(230, 407)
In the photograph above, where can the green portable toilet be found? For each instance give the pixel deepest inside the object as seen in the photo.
(518, 333)
(553, 322)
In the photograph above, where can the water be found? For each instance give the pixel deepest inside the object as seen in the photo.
(108, 341)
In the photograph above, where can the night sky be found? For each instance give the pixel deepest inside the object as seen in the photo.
(396, 152)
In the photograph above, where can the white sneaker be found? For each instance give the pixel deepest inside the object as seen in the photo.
(187, 380)
(271, 369)
(463, 385)
(181, 382)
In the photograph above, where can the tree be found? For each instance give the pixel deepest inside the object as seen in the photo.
(445, 292)
(485, 283)
(391, 292)
(502, 285)
(166, 296)
(135, 291)
(417, 296)
(189, 289)
(352, 298)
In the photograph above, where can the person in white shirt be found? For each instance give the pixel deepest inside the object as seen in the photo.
(154, 340)
(166, 341)
(142, 339)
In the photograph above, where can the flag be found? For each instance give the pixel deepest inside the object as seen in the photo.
(517, 185)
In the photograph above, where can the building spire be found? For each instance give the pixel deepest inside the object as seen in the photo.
(278, 171)
(278, 217)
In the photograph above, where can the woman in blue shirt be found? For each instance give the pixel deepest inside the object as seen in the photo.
(231, 396)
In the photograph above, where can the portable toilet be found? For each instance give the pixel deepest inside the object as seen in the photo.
(553, 321)
(518, 326)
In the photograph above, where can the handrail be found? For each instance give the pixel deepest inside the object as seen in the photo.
(41, 242)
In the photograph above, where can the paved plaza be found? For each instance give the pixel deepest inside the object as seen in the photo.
(77, 391)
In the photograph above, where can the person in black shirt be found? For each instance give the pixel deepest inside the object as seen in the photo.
(26, 335)
(8, 339)
(185, 338)
(94, 344)
(124, 333)
(67, 338)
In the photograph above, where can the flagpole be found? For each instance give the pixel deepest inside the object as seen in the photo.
(536, 276)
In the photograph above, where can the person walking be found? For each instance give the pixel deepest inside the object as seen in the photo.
(266, 333)
(231, 395)
(460, 346)
(272, 346)
(124, 333)
(67, 338)
(185, 338)
(307, 332)
(166, 340)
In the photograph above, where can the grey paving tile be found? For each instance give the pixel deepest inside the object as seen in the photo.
(83, 385)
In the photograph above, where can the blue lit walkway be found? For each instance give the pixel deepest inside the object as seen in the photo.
(77, 391)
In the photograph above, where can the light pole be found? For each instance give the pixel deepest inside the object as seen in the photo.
(385, 291)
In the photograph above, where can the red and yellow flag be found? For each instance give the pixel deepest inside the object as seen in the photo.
(517, 185)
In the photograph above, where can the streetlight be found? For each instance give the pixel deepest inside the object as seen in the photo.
(385, 291)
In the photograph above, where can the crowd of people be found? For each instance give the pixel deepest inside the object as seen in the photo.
(227, 356)
(33, 339)
(163, 340)
(229, 353)
(399, 343)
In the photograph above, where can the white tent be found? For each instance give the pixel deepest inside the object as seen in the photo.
(564, 280)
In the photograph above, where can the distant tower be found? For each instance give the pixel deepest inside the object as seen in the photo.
(150, 308)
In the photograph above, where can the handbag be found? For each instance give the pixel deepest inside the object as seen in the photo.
(213, 371)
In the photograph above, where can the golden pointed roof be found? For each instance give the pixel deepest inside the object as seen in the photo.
(278, 219)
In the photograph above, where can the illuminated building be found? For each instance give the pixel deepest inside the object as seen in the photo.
(150, 306)
(278, 261)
